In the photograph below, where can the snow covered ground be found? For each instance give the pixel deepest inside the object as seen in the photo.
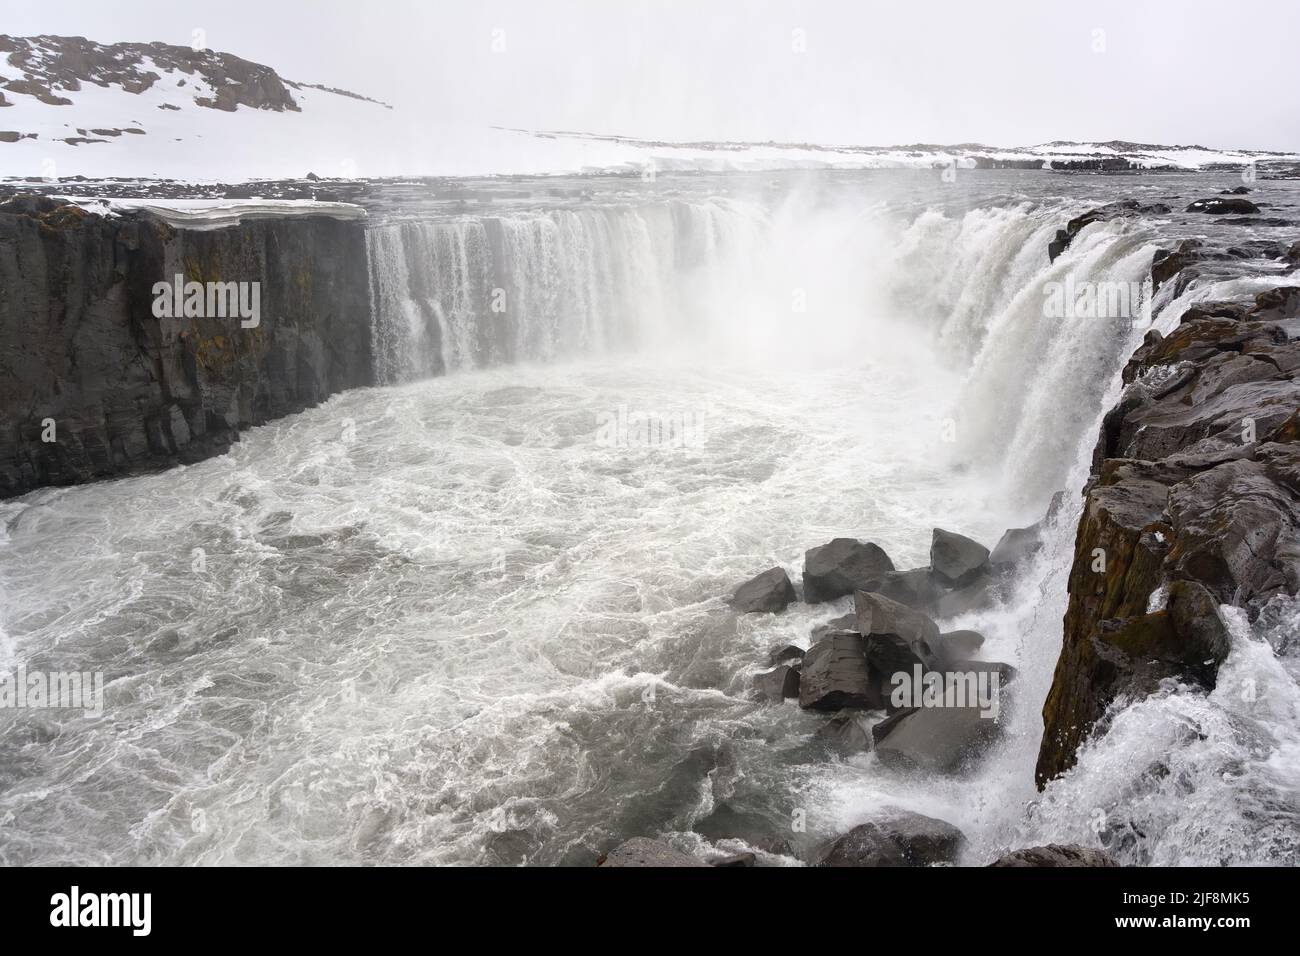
(162, 132)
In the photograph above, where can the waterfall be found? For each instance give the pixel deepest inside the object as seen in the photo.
(466, 293)
(799, 278)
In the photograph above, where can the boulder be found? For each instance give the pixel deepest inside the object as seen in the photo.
(734, 860)
(643, 852)
(918, 588)
(834, 674)
(1218, 206)
(1056, 854)
(1114, 210)
(789, 652)
(960, 645)
(1235, 191)
(1282, 302)
(841, 567)
(846, 622)
(897, 630)
(897, 838)
(725, 822)
(1215, 309)
(844, 734)
(941, 740)
(972, 597)
(956, 559)
(1017, 545)
(770, 591)
(777, 685)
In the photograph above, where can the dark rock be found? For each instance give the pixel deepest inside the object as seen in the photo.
(960, 645)
(1017, 545)
(643, 852)
(841, 567)
(1214, 310)
(844, 734)
(845, 622)
(1282, 302)
(725, 822)
(1217, 206)
(1126, 207)
(943, 739)
(787, 653)
(834, 675)
(956, 559)
(1235, 191)
(79, 342)
(1196, 509)
(1268, 221)
(918, 588)
(974, 597)
(1119, 550)
(777, 685)
(896, 635)
(898, 838)
(770, 591)
(734, 860)
(1055, 854)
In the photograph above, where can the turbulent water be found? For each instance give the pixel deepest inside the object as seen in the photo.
(475, 616)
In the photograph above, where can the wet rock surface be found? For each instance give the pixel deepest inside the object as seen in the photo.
(770, 591)
(642, 852)
(1193, 501)
(841, 567)
(1055, 854)
(897, 838)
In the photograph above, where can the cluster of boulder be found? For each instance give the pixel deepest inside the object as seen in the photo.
(848, 673)
(857, 662)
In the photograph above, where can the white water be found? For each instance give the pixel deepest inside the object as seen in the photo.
(446, 622)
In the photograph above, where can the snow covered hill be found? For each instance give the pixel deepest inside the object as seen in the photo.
(73, 107)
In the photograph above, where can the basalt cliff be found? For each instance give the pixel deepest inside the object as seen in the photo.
(94, 385)
(1193, 500)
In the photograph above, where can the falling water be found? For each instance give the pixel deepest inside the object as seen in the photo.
(469, 293)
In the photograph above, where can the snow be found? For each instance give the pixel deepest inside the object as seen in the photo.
(217, 213)
(338, 136)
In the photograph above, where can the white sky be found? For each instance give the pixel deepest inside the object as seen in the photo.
(1002, 72)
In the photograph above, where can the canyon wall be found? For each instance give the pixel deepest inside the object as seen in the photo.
(94, 385)
(1193, 502)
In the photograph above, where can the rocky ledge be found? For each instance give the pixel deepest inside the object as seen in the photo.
(94, 384)
(1193, 501)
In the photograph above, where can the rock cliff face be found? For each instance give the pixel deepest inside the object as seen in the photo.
(1194, 502)
(93, 384)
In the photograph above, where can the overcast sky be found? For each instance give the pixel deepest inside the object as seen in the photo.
(1002, 72)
